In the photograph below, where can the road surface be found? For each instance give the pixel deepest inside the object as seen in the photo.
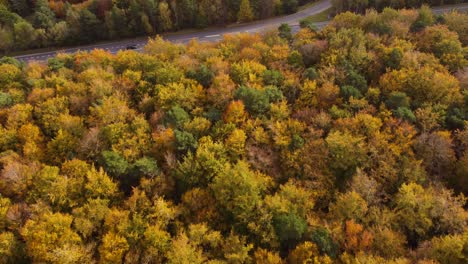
(213, 34)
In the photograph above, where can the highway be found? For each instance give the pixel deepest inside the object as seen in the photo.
(212, 34)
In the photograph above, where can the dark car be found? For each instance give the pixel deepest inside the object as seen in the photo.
(131, 47)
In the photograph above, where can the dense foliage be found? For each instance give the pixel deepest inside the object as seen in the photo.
(362, 5)
(26, 24)
(348, 145)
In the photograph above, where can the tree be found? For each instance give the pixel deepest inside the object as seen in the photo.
(7, 39)
(116, 23)
(50, 238)
(436, 151)
(347, 152)
(356, 238)
(290, 6)
(349, 206)
(423, 85)
(290, 228)
(88, 218)
(239, 190)
(236, 249)
(199, 169)
(258, 101)
(448, 249)
(457, 22)
(165, 20)
(263, 256)
(177, 116)
(203, 75)
(157, 243)
(388, 243)
(60, 32)
(183, 251)
(62, 147)
(114, 163)
(11, 249)
(245, 13)
(99, 185)
(444, 44)
(284, 31)
(421, 212)
(322, 238)
(22, 7)
(425, 18)
(113, 248)
(43, 15)
(24, 34)
(235, 143)
(90, 26)
(9, 73)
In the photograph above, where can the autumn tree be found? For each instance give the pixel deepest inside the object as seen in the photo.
(245, 13)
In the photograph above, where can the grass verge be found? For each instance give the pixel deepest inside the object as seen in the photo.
(320, 17)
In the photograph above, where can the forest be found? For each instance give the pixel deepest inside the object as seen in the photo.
(361, 5)
(346, 145)
(28, 24)
(32, 24)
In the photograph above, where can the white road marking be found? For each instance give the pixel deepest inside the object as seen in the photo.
(212, 36)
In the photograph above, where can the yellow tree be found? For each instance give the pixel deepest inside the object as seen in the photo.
(50, 239)
(165, 16)
(245, 13)
(113, 248)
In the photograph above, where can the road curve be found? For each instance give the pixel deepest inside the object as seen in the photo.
(215, 34)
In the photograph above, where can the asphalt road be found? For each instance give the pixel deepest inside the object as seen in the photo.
(202, 36)
(212, 34)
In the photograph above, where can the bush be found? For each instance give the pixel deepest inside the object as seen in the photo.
(309, 24)
(285, 31)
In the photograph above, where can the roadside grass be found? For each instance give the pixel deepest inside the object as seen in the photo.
(319, 17)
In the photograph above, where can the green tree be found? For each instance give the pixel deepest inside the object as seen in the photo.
(290, 6)
(245, 13)
(90, 26)
(43, 16)
(114, 163)
(24, 34)
(347, 152)
(425, 18)
(285, 31)
(239, 190)
(6, 35)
